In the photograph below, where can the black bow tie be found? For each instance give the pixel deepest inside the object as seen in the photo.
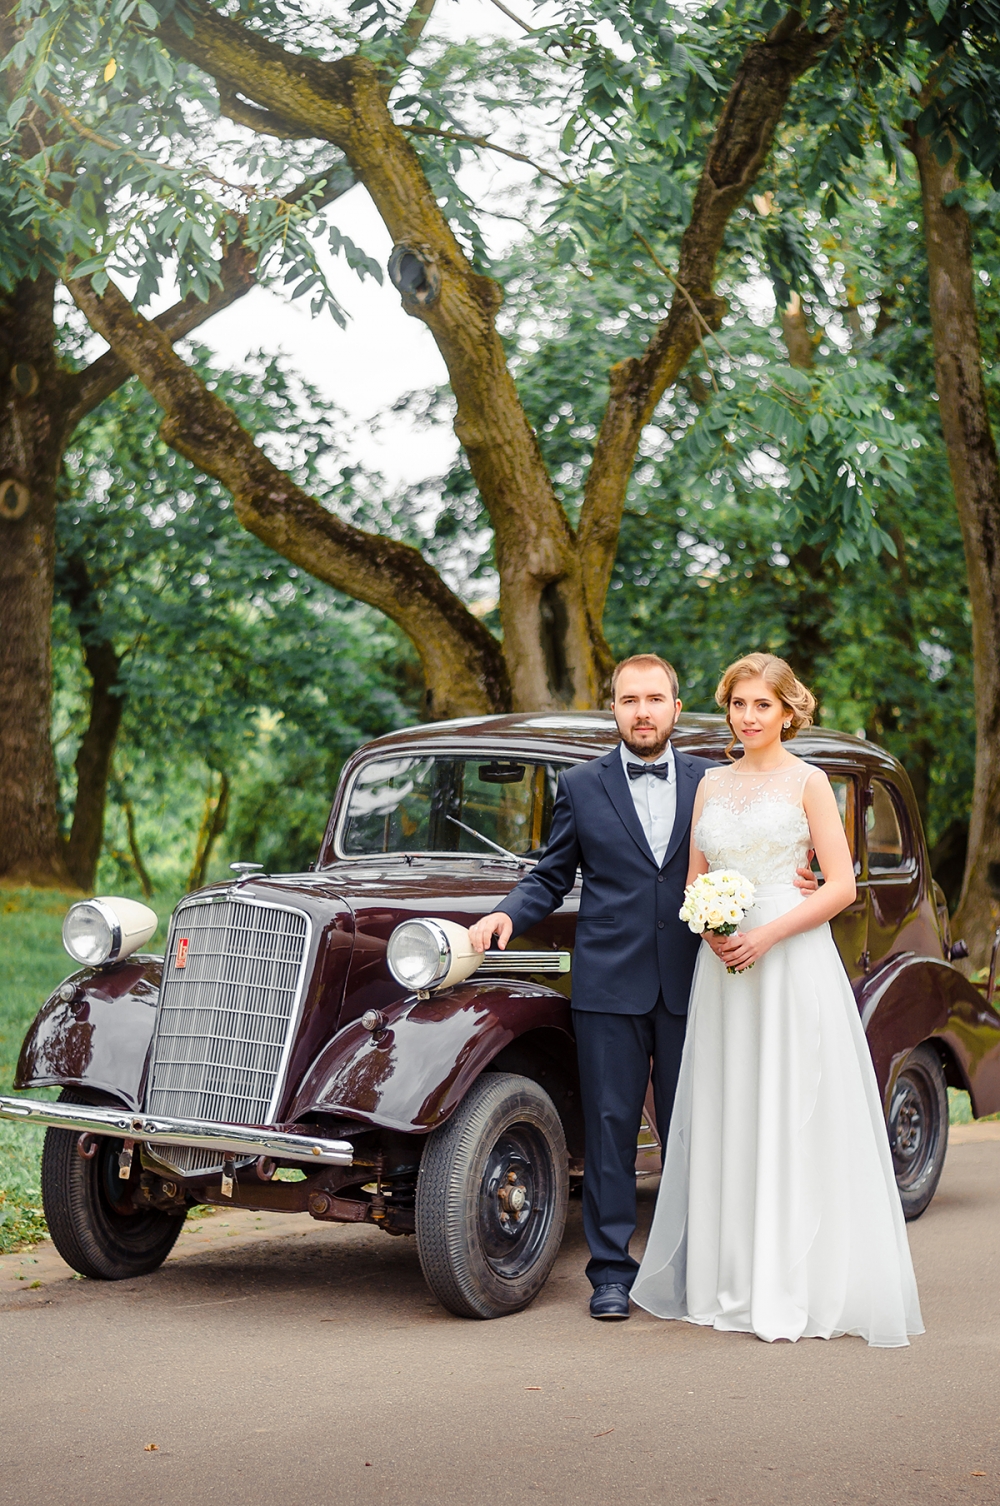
(658, 770)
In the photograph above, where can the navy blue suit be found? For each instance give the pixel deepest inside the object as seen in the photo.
(632, 967)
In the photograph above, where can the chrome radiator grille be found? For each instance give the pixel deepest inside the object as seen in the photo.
(232, 980)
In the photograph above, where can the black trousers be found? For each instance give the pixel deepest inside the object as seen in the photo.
(614, 1052)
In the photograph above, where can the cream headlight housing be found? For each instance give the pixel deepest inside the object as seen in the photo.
(425, 954)
(98, 931)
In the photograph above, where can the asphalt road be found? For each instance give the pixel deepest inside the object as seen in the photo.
(299, 1368)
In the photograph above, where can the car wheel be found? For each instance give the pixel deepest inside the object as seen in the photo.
(491, 1198)
(91, 1218)
(918, 1128)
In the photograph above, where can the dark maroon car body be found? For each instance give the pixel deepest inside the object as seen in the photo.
(388, 1089)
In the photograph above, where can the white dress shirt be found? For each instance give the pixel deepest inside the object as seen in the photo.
(655, 800)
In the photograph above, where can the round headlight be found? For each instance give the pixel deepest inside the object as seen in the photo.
(96, 931)
(431, 954)
(418, 954)
(91, 933)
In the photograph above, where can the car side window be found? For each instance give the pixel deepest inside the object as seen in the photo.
(845, 791)
(883, 831)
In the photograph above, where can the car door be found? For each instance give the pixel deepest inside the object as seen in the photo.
(850, 927)
(892, 867)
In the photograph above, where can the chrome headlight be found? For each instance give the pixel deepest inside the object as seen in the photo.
(426, 954)
(97, 931)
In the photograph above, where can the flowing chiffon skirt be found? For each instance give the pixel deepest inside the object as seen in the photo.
(778, 1212)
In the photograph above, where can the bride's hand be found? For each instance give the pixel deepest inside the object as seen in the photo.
(743, 949)
(716, 942)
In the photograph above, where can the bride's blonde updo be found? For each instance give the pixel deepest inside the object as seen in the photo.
(799, 702)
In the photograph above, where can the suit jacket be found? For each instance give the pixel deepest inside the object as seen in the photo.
(630, 942)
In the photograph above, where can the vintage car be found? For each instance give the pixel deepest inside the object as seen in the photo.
(327, 1042)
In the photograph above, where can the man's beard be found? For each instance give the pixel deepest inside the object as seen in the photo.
(650, 751)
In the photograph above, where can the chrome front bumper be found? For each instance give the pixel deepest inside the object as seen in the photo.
(155, 1129)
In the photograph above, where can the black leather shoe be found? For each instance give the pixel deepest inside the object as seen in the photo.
(610, 1302)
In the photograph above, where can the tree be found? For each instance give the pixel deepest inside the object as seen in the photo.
(42, 399)
(657, 157)
(228, 670)
(705, 571)
(975, 477)
(553, 577)
(949, 57)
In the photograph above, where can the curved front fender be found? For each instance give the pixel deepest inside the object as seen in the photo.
(99, 1038)
(415, 1072)
(912, 999)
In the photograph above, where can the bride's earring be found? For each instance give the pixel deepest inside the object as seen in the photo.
(786, 725)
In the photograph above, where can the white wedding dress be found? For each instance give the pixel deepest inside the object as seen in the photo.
(778, 1212)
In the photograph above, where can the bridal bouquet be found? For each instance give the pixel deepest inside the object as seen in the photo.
(717, 902)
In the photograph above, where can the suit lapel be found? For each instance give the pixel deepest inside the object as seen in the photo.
(688, 780)
(615, 782)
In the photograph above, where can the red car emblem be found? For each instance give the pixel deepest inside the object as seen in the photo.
(182, 952)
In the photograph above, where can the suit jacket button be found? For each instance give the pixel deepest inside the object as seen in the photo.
(659, 878)
(659, 925)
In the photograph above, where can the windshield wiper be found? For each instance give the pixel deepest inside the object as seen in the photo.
(479, 836)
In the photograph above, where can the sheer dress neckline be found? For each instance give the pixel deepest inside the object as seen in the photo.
(754, 822)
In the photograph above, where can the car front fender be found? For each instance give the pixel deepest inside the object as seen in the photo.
(910, 999)
(94, 1032)
(413, 1073)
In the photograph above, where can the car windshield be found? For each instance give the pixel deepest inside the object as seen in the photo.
(414, 804)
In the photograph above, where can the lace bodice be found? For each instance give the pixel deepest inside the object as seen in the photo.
(755, 822)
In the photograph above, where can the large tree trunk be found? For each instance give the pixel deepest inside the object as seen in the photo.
(32, 407)
(975, 477)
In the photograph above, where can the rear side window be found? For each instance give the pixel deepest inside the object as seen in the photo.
(883, 831)
(846, 792)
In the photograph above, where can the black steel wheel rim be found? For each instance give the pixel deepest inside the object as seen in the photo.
(912, 1126)
(516, 1200)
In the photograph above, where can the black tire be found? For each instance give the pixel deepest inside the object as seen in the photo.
(491, 1198)
(93, 1224)
(918, 1128)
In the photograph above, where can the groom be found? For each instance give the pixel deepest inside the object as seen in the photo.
(625, 821)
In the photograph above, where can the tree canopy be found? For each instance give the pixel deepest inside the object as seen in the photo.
(670, 154)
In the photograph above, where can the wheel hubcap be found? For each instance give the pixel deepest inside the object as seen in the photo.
(910, 1120)
(515, 1200)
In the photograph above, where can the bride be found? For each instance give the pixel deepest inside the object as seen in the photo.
(778, 1212)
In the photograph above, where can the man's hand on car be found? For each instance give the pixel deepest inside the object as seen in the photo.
(483, 932)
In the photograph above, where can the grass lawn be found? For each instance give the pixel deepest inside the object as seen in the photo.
(32, 963)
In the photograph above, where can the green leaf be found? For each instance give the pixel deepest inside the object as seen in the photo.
(819, 427)
(16, 110)
(937, 9)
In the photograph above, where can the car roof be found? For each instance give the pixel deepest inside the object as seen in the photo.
(589, 734)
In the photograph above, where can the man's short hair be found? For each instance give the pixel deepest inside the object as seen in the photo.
(645, 661)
